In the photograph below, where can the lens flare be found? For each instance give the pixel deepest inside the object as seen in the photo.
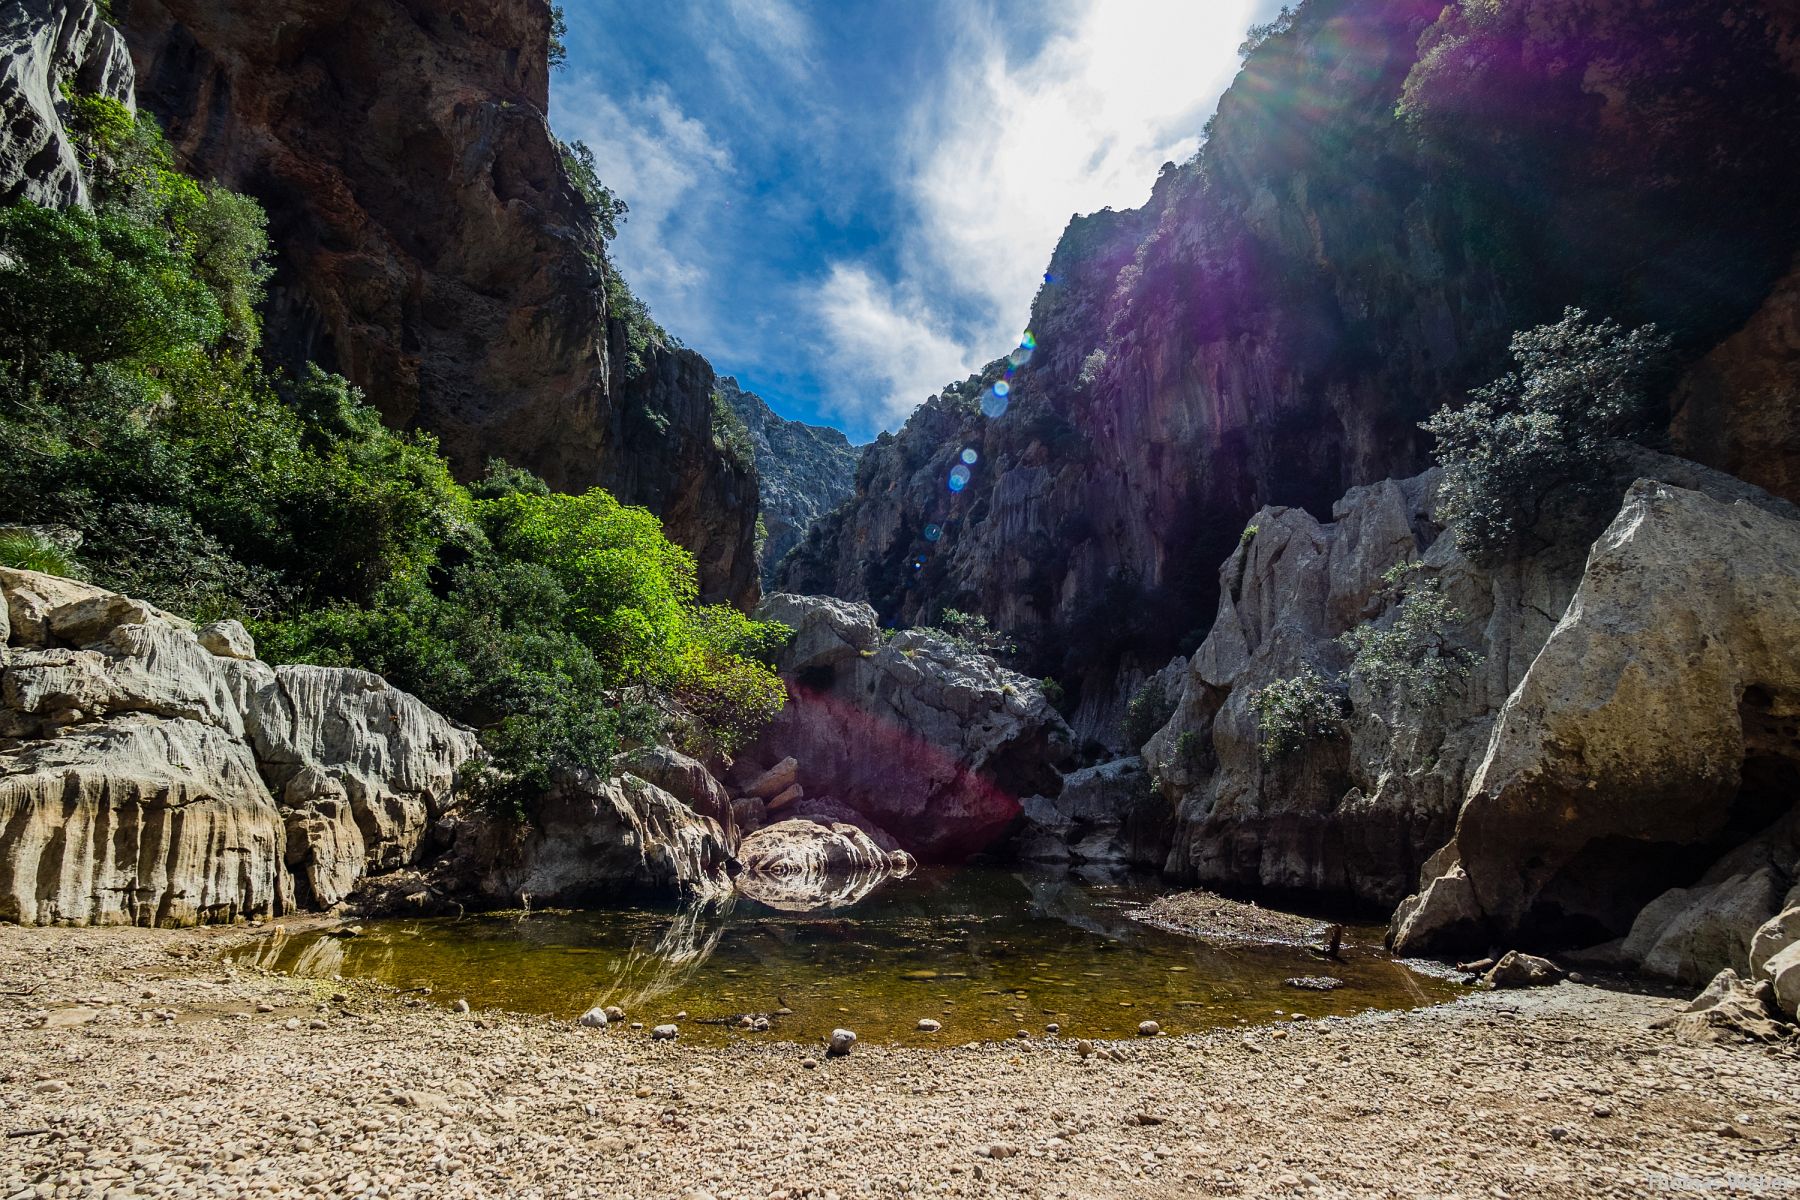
(993, 403)
(969, 456)
(1002, 388)
(1020, 357)
(933, 532)
(959, 477)
(1029, 341)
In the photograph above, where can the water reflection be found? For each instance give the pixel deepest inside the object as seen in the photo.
(983, 951)
(804, 893)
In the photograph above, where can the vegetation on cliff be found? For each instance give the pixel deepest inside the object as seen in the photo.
(134, 409)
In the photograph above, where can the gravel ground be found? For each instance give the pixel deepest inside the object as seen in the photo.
(141, 1066)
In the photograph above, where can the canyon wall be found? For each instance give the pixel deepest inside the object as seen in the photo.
(431, 246)
(1389, 189)
(805, 472)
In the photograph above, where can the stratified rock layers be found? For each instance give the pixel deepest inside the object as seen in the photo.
(145, 779)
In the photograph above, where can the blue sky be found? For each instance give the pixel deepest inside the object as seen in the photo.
(849, 203)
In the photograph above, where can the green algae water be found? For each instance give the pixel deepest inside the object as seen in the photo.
(985, 952)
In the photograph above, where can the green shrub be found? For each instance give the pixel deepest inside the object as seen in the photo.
(134, 409)
(971, 631)
(1293, 712)
(1546, 429)
(1411, 660)
(1147, 711)
(730, 436)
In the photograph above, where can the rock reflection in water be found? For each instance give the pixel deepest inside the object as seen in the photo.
(656, 964)
(804, 893)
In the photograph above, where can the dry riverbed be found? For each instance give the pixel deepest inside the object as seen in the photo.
(139, 1065)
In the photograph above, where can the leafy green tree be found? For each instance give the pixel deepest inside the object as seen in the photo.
(1292, 712)
(95, 286)
(1546, 429)
(1412, 660)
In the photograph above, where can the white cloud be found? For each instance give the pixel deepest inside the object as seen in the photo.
(889, 350)
(669, 168)
(1008, 149)
(775, 26)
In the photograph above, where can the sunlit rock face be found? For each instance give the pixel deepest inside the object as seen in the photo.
(46, 45)
(932, 741)
(804, 470)
(153, 774)
(1271, 326)
(1652, 738)
(1356, 815)
(430, 246)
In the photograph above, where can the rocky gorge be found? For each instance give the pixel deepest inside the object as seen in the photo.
(1204, 611)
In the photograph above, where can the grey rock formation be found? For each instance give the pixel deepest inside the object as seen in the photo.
(1109, 815)
(687, 779)
(360, 768)
(148, 779)
(137, 820)
(1357, 815)
(933, 742)
(45, 44)
(1651, 736)
(803, 472)
(591, 838)
(1731, 1008)
(1270, 327)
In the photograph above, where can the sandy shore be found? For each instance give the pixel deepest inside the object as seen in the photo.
(139, 1065)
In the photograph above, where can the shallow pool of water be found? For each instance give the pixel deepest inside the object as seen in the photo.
(984, 951)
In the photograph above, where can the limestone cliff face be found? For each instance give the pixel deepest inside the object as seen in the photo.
(431, 247)
(155, 774)
(805, 471)
(45, 44)
(1271, 326)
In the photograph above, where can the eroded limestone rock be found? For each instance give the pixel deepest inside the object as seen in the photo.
(1649, 732)
(234, 787)
(595, 837)
(933, 742)
(137, 820)
(44, 45)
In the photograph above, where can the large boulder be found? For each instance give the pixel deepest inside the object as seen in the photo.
(46, 45)
(594, 837)
(933, 741)
(685, 778)
(1651, 736)
(137, 820)
(798, 866)
(291, 783)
